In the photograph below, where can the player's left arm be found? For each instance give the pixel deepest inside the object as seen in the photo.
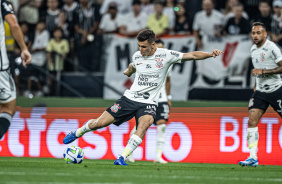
(18, 35)
(277, 70)
(277, 58)
(198, 55)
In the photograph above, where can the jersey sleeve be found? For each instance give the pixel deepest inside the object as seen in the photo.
(174, 56)
(276, 54)
(133, 61)
(6, 8)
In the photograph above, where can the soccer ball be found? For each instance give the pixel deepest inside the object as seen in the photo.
(73, 155)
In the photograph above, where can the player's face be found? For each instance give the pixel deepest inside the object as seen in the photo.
(258, 35)
(146, 48)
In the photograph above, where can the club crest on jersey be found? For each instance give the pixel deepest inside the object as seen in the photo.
(262, 56)
(159, 63)
(115, 108)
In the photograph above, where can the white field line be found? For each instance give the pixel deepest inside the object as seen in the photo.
(140, 176)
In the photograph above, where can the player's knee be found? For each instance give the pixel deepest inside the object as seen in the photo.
(252, 122)
(98, 123)
(9, 111)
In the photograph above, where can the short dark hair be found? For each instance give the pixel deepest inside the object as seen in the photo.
(159, 41)
(259, 24)
(146, 34)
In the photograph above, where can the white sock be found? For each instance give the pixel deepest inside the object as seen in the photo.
(253, 137)
(82, 130)
(160, 140)
(132, 144)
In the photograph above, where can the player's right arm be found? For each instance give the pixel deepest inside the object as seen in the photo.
(130, 70)
(18, 35)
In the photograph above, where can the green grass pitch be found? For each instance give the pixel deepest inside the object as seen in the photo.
(55, 171)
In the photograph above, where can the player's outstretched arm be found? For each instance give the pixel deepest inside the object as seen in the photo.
(130, 70)
(198, 55)
(18, 35)
(277, 70)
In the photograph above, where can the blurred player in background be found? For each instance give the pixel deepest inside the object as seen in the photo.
(140, 101)
(267, 61)
(162, 114)
(7, 84)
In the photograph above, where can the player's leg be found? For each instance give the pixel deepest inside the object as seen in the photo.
(130, 158)
(144, 122)
(253, 137)
(7, 112)
(161, 126)
(104, 120)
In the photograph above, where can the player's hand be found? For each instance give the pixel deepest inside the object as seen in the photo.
(216, 52)
(26, 58)
(256, 72)
(169, 104)
(127, 72)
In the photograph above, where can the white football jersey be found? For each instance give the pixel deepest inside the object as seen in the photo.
(150, 74)
(163, 95)
(266, 57)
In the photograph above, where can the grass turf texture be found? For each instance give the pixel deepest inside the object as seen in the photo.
(49, 170)
(96, 102)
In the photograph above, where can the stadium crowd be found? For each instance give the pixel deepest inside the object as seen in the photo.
(62, 34)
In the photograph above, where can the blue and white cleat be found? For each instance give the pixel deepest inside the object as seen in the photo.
(70, 138)
(120, 161)
(249, 162)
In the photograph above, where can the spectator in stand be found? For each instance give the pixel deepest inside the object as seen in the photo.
(169, 11)
(38, 59)
(251, 7)
(109, 21)
(52, 15)
(57, 50)
(70, 7)
(265, 15)
(276, 24)
(158, 22)
(123, 6)
(147, 7)
(61, 23)
(134, 22)
(86, 24)
(28, 38)
(183, 22)
(29, 13)
(228, 12)
(208, 22)
(237, 24)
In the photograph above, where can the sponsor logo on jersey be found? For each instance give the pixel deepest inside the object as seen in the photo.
(2, 90)
(160, 56)
(148, 66)
(174, 53)
(262, 56)
(115, 108)
(139, 63)
(145, 95)
(159, 63)
(138, 57)
(265, 49)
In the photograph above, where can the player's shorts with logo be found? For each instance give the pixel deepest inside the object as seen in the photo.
(7, 87)
(125, 109)
(261, 100)
(162, 111)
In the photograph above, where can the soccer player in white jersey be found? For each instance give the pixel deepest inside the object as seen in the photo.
(151, 65)
(267, 61)
(7, 85)
(161, 116)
